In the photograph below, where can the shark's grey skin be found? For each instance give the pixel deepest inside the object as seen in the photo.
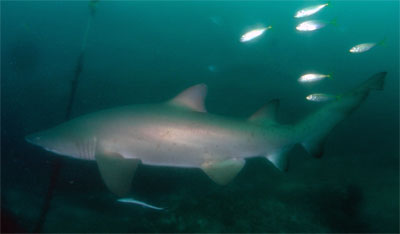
(164, 135)
(181, 133)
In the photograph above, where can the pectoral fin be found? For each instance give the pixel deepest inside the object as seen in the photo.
(222, 172)
(117, 172)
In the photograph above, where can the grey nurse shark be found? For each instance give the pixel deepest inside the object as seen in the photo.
(180, 133)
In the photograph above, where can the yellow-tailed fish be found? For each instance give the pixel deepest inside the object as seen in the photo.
(322, 97)
(310, 10)
(253, 34)
(360, 48)
(312, 25)
(312, 77)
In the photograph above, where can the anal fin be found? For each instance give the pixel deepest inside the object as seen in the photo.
(280, 158)
(222, 172)
(117, 172)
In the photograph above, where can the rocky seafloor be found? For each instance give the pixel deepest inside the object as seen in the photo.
(315, 195)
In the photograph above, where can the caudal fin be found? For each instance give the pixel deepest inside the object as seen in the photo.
(314, 129)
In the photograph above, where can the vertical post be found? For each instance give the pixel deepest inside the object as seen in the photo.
(57, 163)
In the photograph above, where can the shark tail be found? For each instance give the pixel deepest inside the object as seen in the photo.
(312, 132)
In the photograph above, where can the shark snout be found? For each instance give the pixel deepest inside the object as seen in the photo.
(41, 140)
(51, 142)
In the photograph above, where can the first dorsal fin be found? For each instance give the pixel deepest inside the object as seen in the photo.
(192, 98)
(267, 113)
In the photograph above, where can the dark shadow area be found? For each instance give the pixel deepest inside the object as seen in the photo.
(337, 207)
(9, 223)
(340, 209)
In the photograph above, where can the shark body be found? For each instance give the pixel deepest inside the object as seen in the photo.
(180, 133)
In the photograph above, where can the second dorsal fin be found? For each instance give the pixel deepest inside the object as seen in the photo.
(267, 113)
(192, 98)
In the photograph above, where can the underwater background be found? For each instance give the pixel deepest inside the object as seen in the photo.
(148, 51)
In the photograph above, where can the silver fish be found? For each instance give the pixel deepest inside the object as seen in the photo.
(321, 97)
(253, 34)
(312, 77)
(310, 10)
(363, 47)
(312, 25)
(137, 202)
(360, 48)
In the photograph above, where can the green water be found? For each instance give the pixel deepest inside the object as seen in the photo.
(144, 52)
